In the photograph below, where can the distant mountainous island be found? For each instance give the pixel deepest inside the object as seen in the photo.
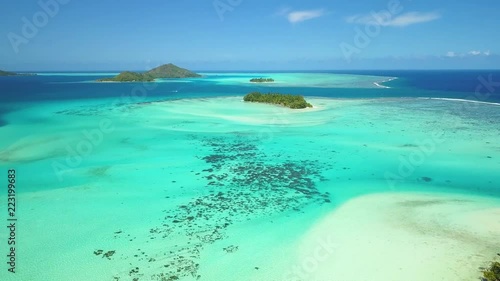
(8, 73)
(164, 71)
(262, 80)
(287, 100)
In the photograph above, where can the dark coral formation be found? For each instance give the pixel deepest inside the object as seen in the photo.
(242, 183)
(108, 254)
(230, 249)
(426, 179)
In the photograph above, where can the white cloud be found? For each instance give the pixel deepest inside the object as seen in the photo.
(300, 16)
(385, 19)
(451, 54)
(473, 53)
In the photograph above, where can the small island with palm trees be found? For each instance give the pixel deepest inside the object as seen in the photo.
(262, 80)
(287, 100)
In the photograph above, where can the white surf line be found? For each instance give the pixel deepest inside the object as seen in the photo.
(381, 86)
(378, 84)
(462, 100)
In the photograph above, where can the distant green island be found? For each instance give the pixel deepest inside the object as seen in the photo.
(8, 73)
(128, 76)
(164, 71)
(262, 80)
(287, 100)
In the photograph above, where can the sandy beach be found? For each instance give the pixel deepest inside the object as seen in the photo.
(401, 236)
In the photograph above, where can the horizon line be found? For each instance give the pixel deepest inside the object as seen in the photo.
(270, 70)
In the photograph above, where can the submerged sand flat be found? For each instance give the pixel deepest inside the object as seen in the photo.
(213, 188)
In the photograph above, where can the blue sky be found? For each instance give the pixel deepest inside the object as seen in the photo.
(249, 34)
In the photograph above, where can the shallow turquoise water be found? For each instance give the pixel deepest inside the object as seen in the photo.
(178, 186)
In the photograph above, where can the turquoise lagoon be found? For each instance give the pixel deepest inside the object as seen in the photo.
(182, 180)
